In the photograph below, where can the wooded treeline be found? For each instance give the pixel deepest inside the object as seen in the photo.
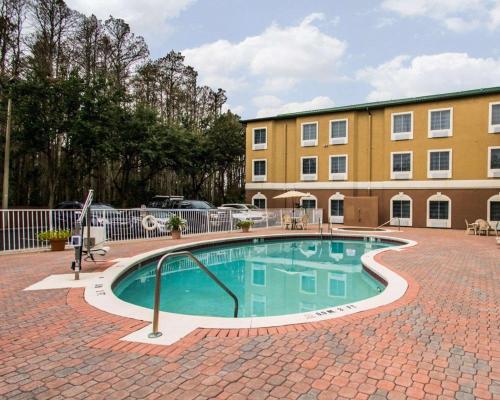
(91, 109)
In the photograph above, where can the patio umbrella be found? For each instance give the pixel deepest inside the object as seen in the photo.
(292, 194)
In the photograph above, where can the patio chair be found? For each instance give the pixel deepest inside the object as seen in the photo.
(494, 226)
(482, 226)
(470, 227)
(287, 221)
(302, 223)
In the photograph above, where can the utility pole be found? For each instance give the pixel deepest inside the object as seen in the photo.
(6, 160)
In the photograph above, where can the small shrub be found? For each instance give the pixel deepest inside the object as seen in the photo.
(175, 223)
(246, 223)
(54, 235)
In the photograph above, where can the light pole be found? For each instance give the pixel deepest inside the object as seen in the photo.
(6, 160)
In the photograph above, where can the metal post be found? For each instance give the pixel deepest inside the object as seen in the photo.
(88, 221)
(6, 160)
(78, 252)
(156, 311)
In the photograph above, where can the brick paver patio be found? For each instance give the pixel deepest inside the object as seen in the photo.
(441, 342)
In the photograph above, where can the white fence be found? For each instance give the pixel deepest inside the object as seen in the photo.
(19, 228)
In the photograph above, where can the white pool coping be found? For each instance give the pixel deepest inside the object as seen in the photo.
(99, 294)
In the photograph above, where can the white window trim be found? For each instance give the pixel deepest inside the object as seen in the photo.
(309, 274)
(493, 128)
(401, 135)
(310, 197)
(308, 143)
(492, 172)
(438, 133)
(443, 174)
(334, 276)
(259, 267)
(402, 221)
(340, 176)
(260, 196)
(258, 298)
(259, 178)
(344, 140)
(308, 177)
(438, 223)
(259, 146)
(402, 174)
(495, 197)
(335, 219)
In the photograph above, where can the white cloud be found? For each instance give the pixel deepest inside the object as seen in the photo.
(280, 56)
(495, 16)
(272, 105)
(455, 15)
(404, 76)
(234, 109)
(146, 17)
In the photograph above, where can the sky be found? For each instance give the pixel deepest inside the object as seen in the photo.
(276, 56)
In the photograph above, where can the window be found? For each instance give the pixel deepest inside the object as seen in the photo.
(494, 208)
(402, 126)
(494, 118)
(493, 162)
(259, 139)
(494, 214)
(336, 207)
(401, 210)
(259, 200)
(259, 170)
(308, 282)
(401, 165)
(338, 168)
(337, 284)
(439, 211)
(440, 123)
(338, 131)
(310, 134)
(309, 202)
(309, 168)
(439, 164)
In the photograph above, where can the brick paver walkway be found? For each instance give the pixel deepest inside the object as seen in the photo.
(443, 343)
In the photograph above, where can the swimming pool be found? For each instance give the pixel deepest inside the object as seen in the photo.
(270, 277)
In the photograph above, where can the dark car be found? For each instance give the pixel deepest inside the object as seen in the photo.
(202, 216)
(165, 202)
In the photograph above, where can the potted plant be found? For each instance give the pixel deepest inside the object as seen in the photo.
(244, 224)
(175, 224)
(57, 238)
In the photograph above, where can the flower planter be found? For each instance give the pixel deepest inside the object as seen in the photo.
(57, 245)
(245, 229)
(176, 234)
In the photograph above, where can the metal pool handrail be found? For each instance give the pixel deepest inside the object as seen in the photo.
(156, 312)
(388, 222)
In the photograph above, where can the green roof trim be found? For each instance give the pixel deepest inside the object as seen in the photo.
(383, 104)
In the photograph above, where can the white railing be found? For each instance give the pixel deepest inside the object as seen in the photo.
(19, 228)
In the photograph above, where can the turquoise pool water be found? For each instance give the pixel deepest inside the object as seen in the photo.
(269, 278)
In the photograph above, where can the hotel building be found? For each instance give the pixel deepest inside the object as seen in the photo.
(431, 161)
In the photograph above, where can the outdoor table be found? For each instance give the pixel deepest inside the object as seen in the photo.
(295, 220)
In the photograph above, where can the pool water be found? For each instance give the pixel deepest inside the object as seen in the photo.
(269, 278)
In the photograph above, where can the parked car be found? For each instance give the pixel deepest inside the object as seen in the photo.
(200, 213)
(245, 212)
(166, 202)
(118, 225)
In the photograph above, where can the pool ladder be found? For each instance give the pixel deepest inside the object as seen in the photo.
(156, 312)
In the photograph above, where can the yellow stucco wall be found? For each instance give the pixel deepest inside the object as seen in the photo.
(469, 143)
